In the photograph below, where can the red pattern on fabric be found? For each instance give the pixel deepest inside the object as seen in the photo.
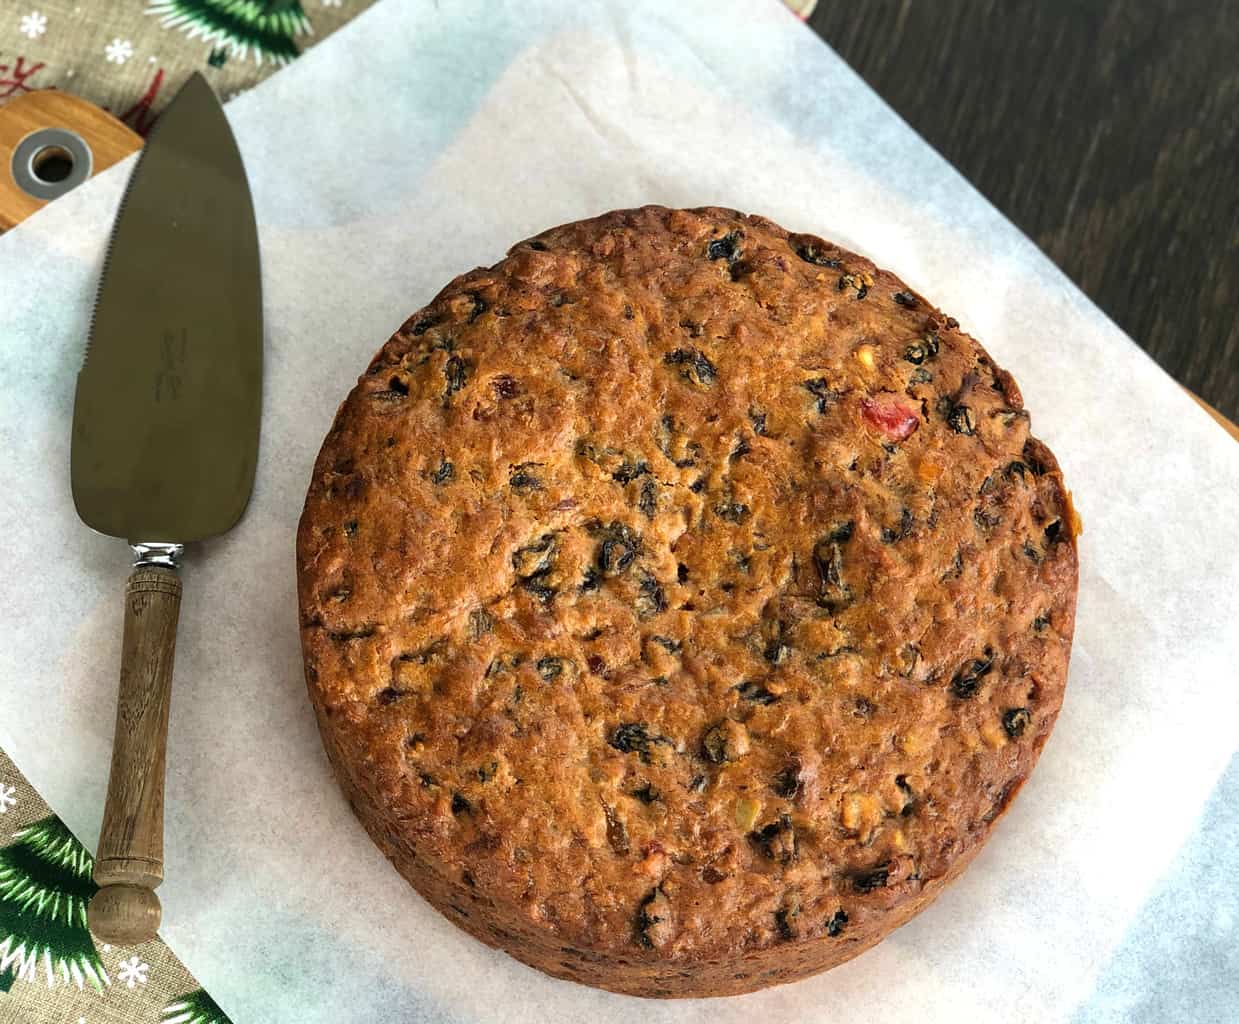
(16, 77)
(138, 117)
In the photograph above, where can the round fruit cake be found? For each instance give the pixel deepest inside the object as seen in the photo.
(683, 601)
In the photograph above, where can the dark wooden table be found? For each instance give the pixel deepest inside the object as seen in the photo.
(1108, 130)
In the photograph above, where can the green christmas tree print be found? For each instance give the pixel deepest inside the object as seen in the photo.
(45, 885)
(264, 27)
(195, 1008)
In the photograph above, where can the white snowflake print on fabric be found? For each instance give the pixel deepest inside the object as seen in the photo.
(33, 25)
(132, 972)
(118, 51)
(8, 798)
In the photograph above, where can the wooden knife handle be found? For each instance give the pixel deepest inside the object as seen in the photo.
(129, 866)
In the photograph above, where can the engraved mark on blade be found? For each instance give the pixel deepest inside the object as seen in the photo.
(173, 365)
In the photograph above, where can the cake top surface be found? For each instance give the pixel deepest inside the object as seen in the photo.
(688, 585)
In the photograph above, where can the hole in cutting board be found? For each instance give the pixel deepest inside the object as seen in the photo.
(52, 164)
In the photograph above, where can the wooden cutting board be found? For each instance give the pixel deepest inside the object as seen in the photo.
(107, 141)
(1225, 424)
(52, 141)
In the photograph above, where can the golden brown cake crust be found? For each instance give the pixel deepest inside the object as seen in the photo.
(683, 600)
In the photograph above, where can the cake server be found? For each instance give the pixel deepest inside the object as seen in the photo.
(165, 438)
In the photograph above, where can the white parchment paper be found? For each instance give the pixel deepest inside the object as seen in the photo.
(416, 143)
